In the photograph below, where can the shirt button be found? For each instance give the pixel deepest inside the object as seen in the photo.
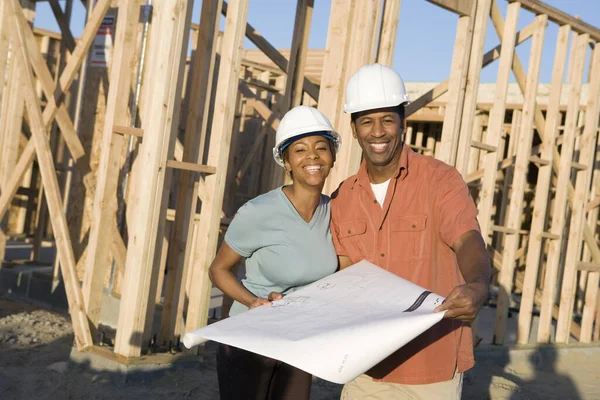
(349, 230)
(414, 226)
(382, 255)
(374, 201)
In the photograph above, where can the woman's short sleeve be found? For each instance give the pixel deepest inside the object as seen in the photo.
(243, 234)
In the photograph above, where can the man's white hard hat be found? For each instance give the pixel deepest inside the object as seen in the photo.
(374, 86)
(299, 122)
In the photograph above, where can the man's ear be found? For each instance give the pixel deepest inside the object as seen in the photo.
(353, 125)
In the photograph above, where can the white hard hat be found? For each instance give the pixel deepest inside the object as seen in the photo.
(303, 121)
(374, 86)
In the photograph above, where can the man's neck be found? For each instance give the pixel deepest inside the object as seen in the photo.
(381, 173)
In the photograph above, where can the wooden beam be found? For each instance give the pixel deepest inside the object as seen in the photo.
(274, 54)
(192, 167)
(587, 150)
(576, 63)
(464, 8)
(488, 58)
(218, 154)
(83, 337)
(387, 36)
(104, 210)
(448, 147)
(181, 248)
(497, 119)
(359, 50)
(128, 130)
(77, 57)
(63, 23)
(465, 132)
(519, 180)
(297, 62)
(560, 17)
(169, 30)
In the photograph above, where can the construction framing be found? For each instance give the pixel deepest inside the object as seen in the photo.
(184, 140)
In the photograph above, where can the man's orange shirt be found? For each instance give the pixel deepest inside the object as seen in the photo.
(426, 209)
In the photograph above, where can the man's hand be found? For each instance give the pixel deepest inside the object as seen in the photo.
(464, 301)
(273, 296)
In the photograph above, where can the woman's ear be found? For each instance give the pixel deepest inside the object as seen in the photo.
(287, 166)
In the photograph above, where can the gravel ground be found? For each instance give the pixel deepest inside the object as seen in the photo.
(35, 347)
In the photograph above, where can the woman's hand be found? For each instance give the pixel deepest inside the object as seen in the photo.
(273, 296)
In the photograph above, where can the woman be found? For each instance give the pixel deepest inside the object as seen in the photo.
(284, 236)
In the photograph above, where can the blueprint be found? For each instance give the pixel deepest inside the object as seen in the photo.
(336, 328)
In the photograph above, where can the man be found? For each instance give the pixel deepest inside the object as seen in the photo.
(413, 216)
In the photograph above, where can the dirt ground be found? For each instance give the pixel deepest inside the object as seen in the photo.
(35, 347)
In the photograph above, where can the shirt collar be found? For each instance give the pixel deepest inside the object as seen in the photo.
(362, 177)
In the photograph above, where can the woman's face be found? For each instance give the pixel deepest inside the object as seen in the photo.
(309, 160)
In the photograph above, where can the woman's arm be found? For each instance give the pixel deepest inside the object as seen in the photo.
(220, 273)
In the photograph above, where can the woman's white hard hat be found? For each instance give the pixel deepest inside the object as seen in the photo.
(303, 121)
(374, 86)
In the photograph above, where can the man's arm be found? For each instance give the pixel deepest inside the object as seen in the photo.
(464, 301)
(344, 262)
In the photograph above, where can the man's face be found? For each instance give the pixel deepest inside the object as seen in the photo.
(379, 134)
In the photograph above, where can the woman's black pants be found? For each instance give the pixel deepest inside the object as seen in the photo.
(248, 376)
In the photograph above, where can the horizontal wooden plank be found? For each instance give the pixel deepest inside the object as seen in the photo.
(539, 161)
(588, 266)
(483, 146)
(509, 231)
(578, 166)
(126, 130)
(206, 169)
(559, 17)
(549, 235)
(460, 7)
(593, 204)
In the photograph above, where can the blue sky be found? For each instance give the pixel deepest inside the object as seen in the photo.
(425, 38)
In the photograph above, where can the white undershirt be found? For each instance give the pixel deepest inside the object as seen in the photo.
(380, 190)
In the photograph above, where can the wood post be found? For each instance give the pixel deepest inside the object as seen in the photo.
(447, 150)
(170, 30)
(469, 108)
(519, 181)
(497, 119)
(587, 152)
(180, 251)
(105, 202)
(543, 187)
(42, 146)
(210, 216)
(361, 42)
(576, 63)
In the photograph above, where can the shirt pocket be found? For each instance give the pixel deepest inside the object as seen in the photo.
(409, 238)
(352, 237)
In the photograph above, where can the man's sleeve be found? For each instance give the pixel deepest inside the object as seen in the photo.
(335, 234)
(243, 234)
(457, 211)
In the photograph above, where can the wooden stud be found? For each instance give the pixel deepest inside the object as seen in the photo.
(519, 180)
(442, 87)
(461, 7)
(472, 85)
(447, 150)
(583, 179)
(128, 130)
(361, 41)
(297, 61)
(497, 119)
(274, 54)
(226, 96)
(83, 337)
(180, 252)
(169, 30)
(560, 200)
(104, 210)
(560, 17)
(63, 23)
(389, 27)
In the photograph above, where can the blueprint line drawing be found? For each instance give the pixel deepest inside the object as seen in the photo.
(360, 315)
